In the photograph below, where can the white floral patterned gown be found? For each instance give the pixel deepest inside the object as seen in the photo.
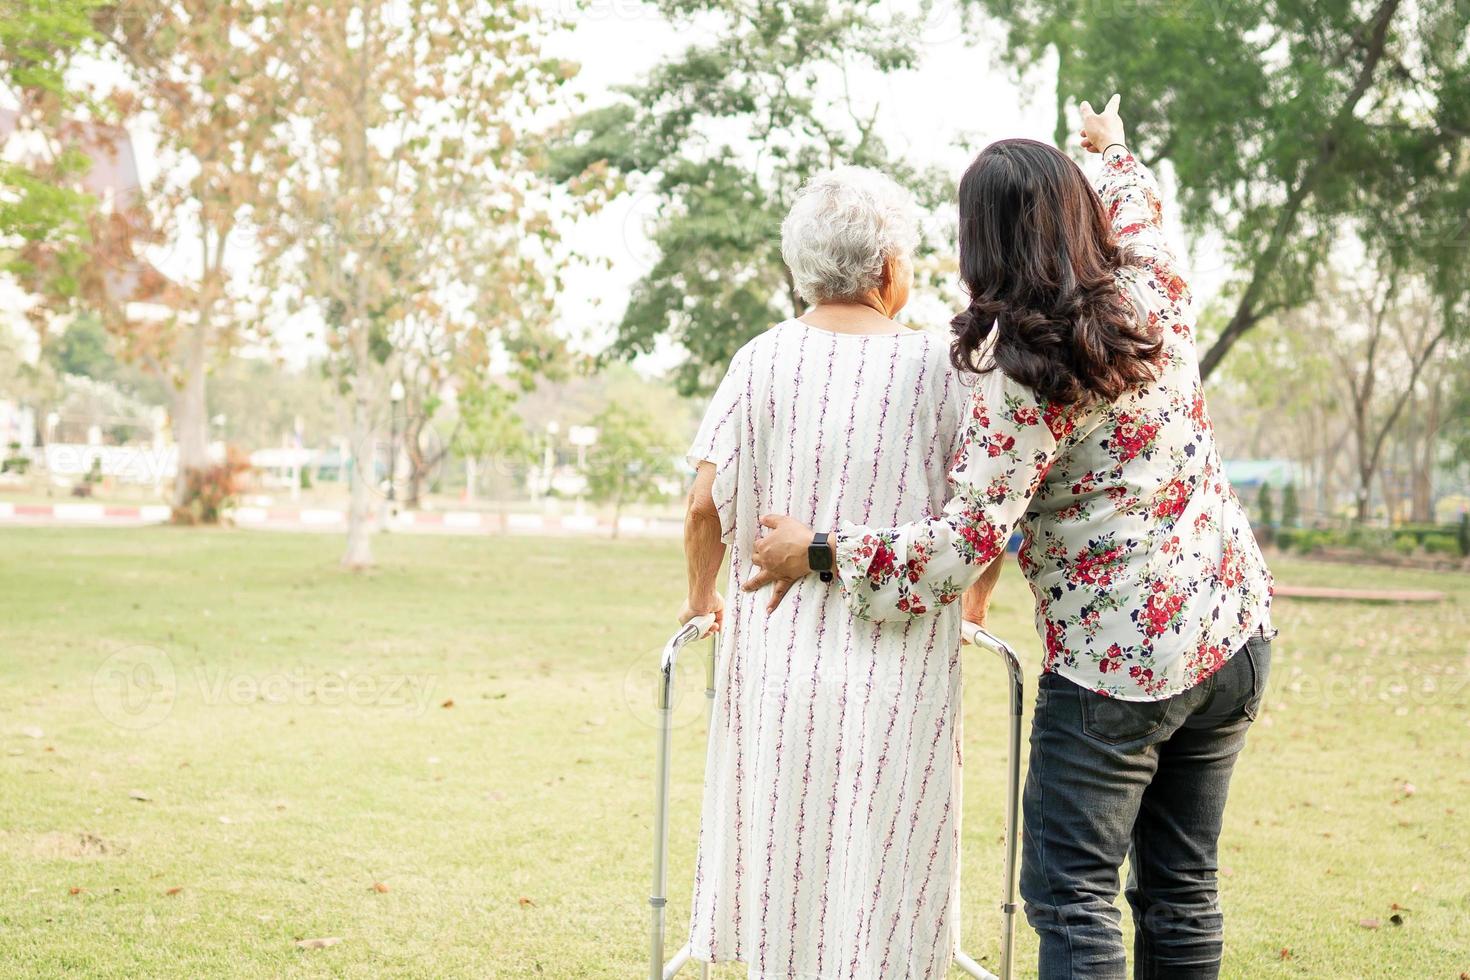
(828, 842)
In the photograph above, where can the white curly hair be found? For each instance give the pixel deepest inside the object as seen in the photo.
(843, 225)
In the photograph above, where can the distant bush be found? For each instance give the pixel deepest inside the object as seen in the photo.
(210, 491)
(1442, 544)
(15, 462)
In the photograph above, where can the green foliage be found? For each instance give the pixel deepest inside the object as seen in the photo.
(37, 37)
(630, 458)
(1287, 124)
(1290, 509)
(42, 206)
(1462, 534)
(1265, 509)
(686, 131)
(1406, 539)
(489, 426)
(82, 349)
(14, 461)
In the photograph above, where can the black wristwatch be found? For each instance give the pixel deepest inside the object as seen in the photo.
(819, 556)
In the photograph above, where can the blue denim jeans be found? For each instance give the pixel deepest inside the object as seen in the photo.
(1146, 780)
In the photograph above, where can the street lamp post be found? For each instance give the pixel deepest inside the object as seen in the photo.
(395, 395)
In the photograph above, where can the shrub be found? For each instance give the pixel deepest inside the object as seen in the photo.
(15, 462)
(210, 491)
(1290, 510)
(1442, 544)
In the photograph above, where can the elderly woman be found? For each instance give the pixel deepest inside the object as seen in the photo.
(831, 814)
(1088, 430)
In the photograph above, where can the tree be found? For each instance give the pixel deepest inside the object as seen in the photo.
(1288, 125)
(408, 201)
(1290, 510)
(1382, 360)
(723, 134)
(490, 430)
(629, 461)
(44, 212)
(209, 76)
(1265, 508)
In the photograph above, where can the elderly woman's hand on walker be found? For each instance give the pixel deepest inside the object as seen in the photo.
(782, 556)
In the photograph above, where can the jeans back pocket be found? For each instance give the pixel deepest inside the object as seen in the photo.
(1113, 721)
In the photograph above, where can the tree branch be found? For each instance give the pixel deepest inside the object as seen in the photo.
(1246, 315)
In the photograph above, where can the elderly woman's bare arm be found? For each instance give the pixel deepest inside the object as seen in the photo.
(703, 549)
(976, 601)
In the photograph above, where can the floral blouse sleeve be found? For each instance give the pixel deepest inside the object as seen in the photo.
(1130, 194)
(903, 572)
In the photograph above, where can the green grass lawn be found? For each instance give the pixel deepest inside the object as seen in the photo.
(304, 779)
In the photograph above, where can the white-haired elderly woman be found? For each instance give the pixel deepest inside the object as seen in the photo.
(830, 829)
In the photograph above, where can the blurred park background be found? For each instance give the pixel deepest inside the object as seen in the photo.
(444, 282)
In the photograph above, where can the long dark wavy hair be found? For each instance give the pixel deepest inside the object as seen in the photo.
(1038, 259)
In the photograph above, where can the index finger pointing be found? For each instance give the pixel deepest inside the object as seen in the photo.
(1112, 105)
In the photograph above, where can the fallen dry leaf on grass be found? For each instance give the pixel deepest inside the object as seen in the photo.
(448, 704)
(322, 943)
(380, 888)
(525, 902)
(74, 890)
(1285, 953)
(174, 890)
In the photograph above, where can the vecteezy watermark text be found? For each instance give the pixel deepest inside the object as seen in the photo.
(138, 687)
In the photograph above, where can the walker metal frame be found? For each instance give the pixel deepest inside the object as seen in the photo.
(698, 628)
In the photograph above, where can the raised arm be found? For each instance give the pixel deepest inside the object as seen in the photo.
(1130, 195)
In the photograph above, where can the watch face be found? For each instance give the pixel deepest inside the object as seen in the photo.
(819, 556)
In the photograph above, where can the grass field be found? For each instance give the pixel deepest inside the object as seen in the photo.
(302, 778)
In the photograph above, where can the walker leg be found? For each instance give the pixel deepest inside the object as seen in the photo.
(658, 898)
(981, 638)
(1013, 816)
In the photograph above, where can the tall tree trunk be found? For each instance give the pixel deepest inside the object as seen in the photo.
(191, 411)
(1424, 456)
(360, 511)
(418, 464)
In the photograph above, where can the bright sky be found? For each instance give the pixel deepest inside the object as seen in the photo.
(959, 98)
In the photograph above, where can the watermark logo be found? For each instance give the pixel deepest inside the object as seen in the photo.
(135, 687)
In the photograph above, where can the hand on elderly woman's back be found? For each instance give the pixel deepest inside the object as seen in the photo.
(781, 553)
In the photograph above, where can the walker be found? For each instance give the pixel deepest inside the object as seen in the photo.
(698, 628)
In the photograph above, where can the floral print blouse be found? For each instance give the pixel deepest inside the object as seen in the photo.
(1146, 574)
